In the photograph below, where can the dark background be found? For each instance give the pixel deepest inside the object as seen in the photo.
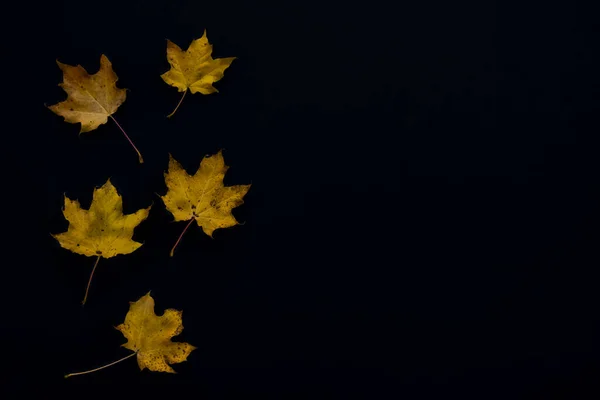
(423, 213)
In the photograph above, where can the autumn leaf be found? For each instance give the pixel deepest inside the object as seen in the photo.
(194, 69)
(202, 197)
(92, 99)
(102, 230)
(149, 337)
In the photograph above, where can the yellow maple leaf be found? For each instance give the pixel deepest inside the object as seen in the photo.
(91, 99)
(202, 196)
(102, 230)
(149, 337)
(194, 69)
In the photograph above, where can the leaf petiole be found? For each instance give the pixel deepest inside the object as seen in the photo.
(178, 104)
(90, 281)
(180, 236)
(99, 368)
(141, 160)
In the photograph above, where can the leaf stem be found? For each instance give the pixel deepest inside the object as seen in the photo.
(180, 236)
(135, 148)
(178, 104)
(90, 281)
(99, 368)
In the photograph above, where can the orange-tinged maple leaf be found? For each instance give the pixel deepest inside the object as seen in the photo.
(92, 99)
(149, 337)
(194, 69)
(202, 197)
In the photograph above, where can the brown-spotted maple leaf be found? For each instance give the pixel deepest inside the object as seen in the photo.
(202, 197)
(149, 337)
(194, 69)
(91, 99)
(102, 230)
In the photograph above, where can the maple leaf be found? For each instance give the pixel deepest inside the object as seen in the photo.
(194, 69)
(149, 337)
(91, 99)
(102, 230)
(202, 197)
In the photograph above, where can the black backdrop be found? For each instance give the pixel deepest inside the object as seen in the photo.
(422, 217)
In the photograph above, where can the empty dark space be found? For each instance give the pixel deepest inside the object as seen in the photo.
(423, 213)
